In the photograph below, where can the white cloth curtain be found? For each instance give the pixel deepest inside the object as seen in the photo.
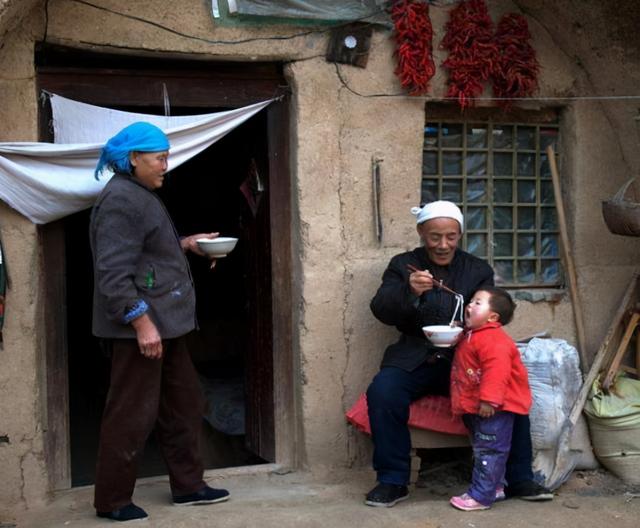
(47, 181)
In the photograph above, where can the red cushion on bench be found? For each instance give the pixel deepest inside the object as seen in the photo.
(430, 412)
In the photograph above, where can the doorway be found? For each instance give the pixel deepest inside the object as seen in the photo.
(243, 306)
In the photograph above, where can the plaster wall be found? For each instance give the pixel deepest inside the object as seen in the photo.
(22, 381)
(336, 134)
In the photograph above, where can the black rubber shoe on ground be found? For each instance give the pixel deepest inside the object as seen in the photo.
(386, 495)
(130, 512)
(206, 495)
(528, 490)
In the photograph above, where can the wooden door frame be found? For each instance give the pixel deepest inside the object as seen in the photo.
(217, 85)
(282, 276)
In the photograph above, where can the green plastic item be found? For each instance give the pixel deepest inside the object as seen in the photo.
(619, 408)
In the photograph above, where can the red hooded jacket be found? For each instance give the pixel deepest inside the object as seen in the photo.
(487, 367)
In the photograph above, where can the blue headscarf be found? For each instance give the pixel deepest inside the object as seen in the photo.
(138, 137)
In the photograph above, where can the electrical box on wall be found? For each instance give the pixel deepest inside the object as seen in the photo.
(350, 44)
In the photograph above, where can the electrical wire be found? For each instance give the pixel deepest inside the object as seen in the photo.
(346, 85)
(229, 42)
(489, 98)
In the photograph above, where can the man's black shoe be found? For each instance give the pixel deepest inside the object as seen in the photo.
(130, 512)
(528, 490)
(386, 495)
(206, 495)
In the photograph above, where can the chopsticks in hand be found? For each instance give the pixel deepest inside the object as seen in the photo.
(438, 283)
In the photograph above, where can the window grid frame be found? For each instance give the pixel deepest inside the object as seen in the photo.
(489, 204)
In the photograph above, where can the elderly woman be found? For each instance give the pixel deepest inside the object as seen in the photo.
(144, 306)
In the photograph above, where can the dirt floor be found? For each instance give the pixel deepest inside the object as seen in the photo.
(268, 499)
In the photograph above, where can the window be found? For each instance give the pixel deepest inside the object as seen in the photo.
(499, 175)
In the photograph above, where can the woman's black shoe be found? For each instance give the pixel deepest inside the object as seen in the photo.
(130, 512)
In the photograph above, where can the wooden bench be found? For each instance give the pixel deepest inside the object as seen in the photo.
(425, 439)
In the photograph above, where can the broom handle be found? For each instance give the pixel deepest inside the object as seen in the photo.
(568, 261)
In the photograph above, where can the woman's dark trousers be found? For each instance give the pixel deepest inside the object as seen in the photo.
(145, 393)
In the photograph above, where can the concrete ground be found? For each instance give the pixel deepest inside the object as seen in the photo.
(263, 498)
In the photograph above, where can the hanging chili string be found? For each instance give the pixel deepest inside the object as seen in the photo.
(515, 72)
(472, 50)
(414, 48)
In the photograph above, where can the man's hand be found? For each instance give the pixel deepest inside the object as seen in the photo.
(420, 282)
(149, 340)
(486, 410)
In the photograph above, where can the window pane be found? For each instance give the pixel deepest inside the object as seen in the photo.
(526, 218)
(546, 192)
(526, 271)
(430, 163)
(452, 163)
(476, 164)
(503, 271)
(526, 164)
(477, 190)
(549, 219)
(502, 191)
(476, 136)
(452, 190)
(502, 218)
(545, 170)
(502, 136)
(500, 175)
(477, 244)
(451, 135)
(503, 164)
(526, 138)
(550, 271)
(503, 245)
(548, 136)
(429, 191)
(431, 135)
(549, 246)
(476, 217)
(526, 192)
(526, 245)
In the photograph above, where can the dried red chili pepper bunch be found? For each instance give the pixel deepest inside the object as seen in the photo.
(414, 48)
(515, 73)
(472, 50)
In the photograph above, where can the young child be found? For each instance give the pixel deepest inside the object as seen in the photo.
(489, 385)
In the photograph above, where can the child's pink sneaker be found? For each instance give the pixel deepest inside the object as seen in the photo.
(466, 503)
(500, 496)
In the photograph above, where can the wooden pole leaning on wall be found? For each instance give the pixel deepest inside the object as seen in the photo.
(567, 259)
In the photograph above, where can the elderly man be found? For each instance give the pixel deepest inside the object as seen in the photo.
(411, 368)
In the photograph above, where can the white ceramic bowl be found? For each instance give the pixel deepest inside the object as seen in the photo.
(217, 247)
(442, 335)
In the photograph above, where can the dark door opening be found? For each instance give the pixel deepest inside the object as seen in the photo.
(202, 195)
(244, 306)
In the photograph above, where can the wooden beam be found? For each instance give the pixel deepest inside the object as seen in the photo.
(568, 261)
(612, 370)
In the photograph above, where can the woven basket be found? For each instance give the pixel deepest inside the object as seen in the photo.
(621, 216)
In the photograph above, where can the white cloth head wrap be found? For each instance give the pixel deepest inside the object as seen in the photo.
(439, 209)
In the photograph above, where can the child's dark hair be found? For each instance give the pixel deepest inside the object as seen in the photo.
(500, 302)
